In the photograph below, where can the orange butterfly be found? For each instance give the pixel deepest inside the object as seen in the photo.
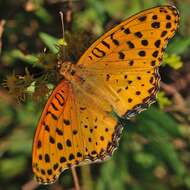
(116, 77)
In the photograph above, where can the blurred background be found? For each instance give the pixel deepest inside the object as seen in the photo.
(154, 151)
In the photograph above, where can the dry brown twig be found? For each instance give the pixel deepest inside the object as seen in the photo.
(75, 178)
(30, 185)
(180, 104)
(2, 23)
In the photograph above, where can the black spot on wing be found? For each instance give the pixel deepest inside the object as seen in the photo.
(121, 55)
(144, 42)
(138, 34)
(59, 131)
(54, 106)
(142, 18)
(98, 52)
(116, 42)
(157, 43)
(130, 44)
(66, 122)
(60, 99)
(105, 44)
(155, 25)
(52, 115)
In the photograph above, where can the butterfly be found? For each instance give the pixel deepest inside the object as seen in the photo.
(116, 78)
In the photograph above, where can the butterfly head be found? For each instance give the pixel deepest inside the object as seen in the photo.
(65, 67)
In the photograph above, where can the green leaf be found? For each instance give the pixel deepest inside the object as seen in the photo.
(17, 54)
(166, 151)
(43, 14)
(49, 41)
(173, 61)
(162, 120)
(178, 45)
(12, 167)
(163, 101)
(145, 159)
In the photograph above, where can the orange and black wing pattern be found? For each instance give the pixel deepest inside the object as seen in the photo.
(80, 123)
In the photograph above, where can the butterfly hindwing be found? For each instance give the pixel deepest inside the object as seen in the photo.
(54, 140)
(72, 131)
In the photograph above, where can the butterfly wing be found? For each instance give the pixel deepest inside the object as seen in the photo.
(125, 60)
(52, 135)
(69, 134)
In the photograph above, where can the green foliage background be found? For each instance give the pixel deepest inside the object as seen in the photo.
(154, 151)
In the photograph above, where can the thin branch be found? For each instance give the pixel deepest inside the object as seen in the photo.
(63, 34)
(30, 185)
(62, 24)
(180, 104)
(87, 182)
(75, 178)
(2, 23)
(68, 15)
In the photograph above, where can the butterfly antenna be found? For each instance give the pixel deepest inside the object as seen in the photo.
(63, 34)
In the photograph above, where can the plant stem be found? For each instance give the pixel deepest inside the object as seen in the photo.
(86, 178)
(75, 178)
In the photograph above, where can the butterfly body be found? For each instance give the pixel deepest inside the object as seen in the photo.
(117, 77)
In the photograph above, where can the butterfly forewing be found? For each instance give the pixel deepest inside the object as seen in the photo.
(146, 31)
(126, 58)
